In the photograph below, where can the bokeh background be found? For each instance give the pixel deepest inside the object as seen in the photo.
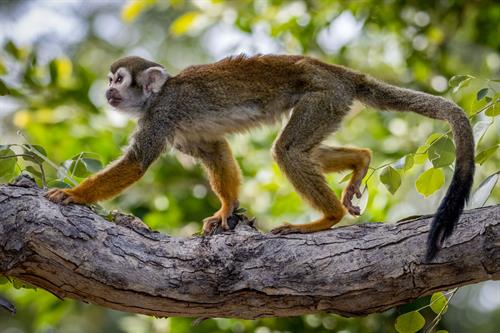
(54, 57)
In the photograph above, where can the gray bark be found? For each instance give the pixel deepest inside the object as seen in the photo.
(355, 270)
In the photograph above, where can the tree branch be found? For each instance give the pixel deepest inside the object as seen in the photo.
(355, 270)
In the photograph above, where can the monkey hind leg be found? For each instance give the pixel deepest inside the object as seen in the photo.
(312, 120)
(334, 159)
(224, 177)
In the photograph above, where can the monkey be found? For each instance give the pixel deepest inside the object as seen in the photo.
(196, 109)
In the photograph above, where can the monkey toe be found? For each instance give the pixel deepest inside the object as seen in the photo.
(354, 210)
(210, 226)
(220, 218)
(211, 223)
(68, 200)
(285, 229)
(349, 193)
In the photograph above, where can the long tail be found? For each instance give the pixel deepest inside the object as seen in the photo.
(385, 96)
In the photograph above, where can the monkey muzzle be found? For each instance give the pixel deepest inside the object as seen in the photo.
(113, 96)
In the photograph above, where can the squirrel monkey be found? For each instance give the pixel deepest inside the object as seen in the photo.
(195, 109)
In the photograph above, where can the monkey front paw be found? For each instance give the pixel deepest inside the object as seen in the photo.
(63, 196)
(347, 197)
(220, 218)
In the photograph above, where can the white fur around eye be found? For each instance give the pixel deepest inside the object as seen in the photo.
(125, 74)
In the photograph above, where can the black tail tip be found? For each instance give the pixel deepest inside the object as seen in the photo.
(433, 246)
(449, 212)
(443, 224)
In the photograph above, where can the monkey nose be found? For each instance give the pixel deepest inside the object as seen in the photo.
(112, 93)
(113, 97)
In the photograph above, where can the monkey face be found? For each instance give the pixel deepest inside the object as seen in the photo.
(124, 93)
(130, 89)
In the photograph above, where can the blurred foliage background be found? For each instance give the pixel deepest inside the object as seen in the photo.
(54, 58)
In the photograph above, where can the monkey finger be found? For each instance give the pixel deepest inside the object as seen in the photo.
(210, 224)
(224, 224)
(68, 200)
(209, 228)
(56, 196)
(358, 193)
(50, 192)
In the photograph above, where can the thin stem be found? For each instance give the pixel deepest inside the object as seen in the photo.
(76, 164)
(42, 176)
(438, 317)
(15, 155)
(43, 157)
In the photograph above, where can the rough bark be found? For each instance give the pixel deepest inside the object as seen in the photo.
(354, 270)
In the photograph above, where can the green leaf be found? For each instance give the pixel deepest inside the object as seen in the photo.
(410, 322)
(442, 331)
(493, 110)
(92, 164)
(405, 163)
(32, 157)
(58, 184)
(391, 179)
(18, 284)
(442, 152)
(4, 280)
(53, 72)
(482, 156)
(34, 171)
(346, 178)
(481, 93)
(64, 170)
(438, 303)
(7, 165)
(430, 181)
(409, 162)
(3, 89)
(420, 157)
(457, 79)
(82, 166)
(434, 137)
(3, 68)
(479, 129)
(483, 192)
(12, 49)
(77, 168)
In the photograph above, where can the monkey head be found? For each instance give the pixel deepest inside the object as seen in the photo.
(132, 81)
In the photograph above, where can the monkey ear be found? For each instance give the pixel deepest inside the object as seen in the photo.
(152, 79)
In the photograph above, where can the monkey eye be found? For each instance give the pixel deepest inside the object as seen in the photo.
(110, 80)
(119, 79)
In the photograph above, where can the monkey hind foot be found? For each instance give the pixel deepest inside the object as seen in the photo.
(324, 223)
